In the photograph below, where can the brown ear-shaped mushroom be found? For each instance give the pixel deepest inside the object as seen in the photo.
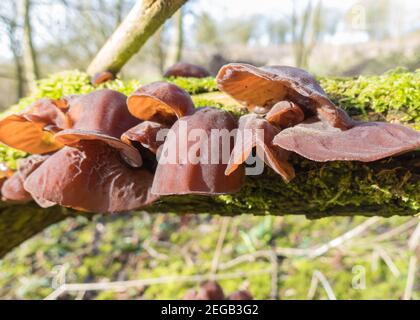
(160, 102)
(256, 132)
(101, 115)
(145, 133)
(209, 290)
(241, 295)
(285, 114)
(193, 159)
(91, 177)
(183, 69)
(263, 87)
(33, 129)
(366, 141)
(101, 77)
(13, 188)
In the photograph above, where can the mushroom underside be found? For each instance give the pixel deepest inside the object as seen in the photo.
(160, 102)
(263, 87)
(256, 132)
(19, 133)
(366, 141)
(91, 177)
(74, 136)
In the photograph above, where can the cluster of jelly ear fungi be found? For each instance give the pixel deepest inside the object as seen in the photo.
(296, 115)
(98, 151)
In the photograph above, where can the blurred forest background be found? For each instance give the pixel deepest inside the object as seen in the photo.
(272, 257)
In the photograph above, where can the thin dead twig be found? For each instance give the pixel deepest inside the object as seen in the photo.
(318, 277)
(123, 285)
(219, 246)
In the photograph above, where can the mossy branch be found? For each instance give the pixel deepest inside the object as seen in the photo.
(382, 188)
(140, 24)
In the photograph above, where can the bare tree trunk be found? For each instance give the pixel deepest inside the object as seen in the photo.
(140, 24)
(14, 46)
(29, 54)
(119, 12)
(158, 50)
(18, 70)
(178, 40)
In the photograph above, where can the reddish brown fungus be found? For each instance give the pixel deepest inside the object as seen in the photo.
(366, 141)
(33, 129)
(263, 87)
(160, 102)
(101, 115)
(285, 114)
(256, 132)
(13, 188)
(148, 133)
(241, 295)
(102, 77)
(91, 177)
(209, 290)
(183, 69)
(193, 160)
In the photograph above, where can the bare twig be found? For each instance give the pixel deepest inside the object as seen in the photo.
(414, 239)
(388, 261)
(397, 231)
(219, 246)
(274, 295)
(413, 244)
(412, 269)
(123, 285)
(313, 252)
(343, 238)
(317, 277)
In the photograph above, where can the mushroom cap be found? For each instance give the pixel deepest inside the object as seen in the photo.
(195, 168)
(241, 295)
(256, 132)
(263, 87)
(13, 189)
(33, 129)
(101, 115)
(285, 114)
(183, 69)
(161, 102)
(366, 141)
(145, 133)
(101, 77)
(210, 290)
(91, 177)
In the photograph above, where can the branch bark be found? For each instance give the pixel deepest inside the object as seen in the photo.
(382, 188)
(140, 24)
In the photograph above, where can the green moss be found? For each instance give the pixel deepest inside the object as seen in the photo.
(394, 95)
(323, 187)
(195, 85)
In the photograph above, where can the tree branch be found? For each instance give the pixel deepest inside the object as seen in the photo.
(140, 24)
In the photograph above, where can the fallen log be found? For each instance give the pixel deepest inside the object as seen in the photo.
(381, 188)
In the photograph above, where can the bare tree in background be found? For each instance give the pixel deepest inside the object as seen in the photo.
(277, 31)
(175, 51)
(10, 25)
(377, 18)
(206, 31)
(29, 53)
(308, 29)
